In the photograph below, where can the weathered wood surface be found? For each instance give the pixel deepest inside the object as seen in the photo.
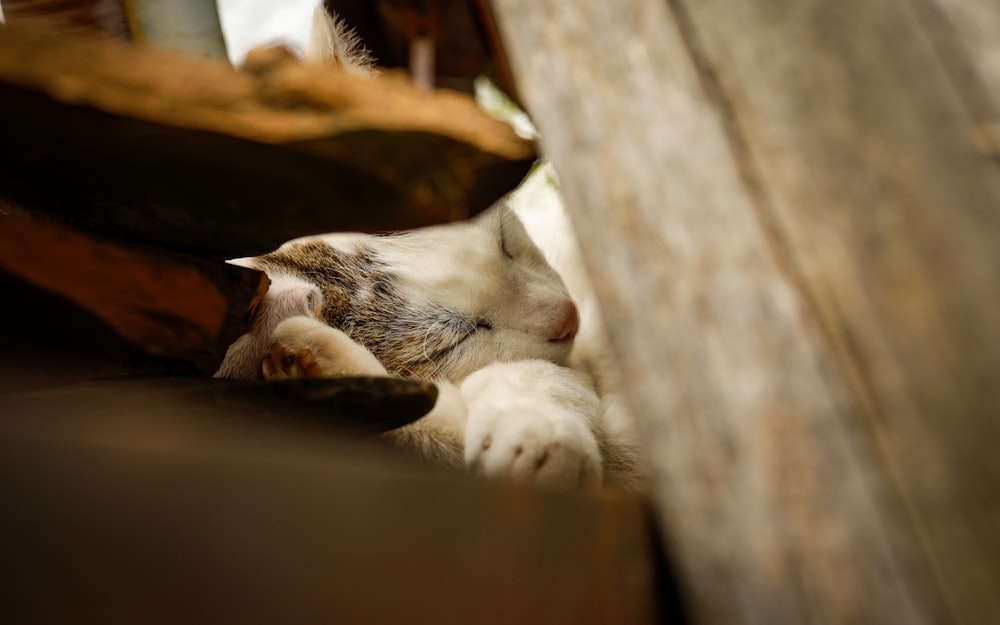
(361, 405)
(965, 33)
(72, 16)
(165, 304)
(793, 235)
(171, 515)
(145, 144)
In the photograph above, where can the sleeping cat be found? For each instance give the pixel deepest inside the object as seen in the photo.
(525, 387)
(473, 306)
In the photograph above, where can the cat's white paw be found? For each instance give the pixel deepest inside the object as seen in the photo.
(531, 421)
(305, 347)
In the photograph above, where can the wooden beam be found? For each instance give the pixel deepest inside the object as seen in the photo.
(888, 208)
(792, 234)
(149, 145)
(964, 35)
(189, 512)
(163, 303)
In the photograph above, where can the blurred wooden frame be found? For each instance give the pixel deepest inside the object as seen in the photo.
(463, 34)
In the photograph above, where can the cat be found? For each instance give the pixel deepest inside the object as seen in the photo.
(526, 389)
(473, 306)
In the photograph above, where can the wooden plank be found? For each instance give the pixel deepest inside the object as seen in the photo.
(173, 515)
(179, 151)
(47, 341)
(165, 304)
(354, 404)
(963, 33)
(867, 149)
(790, 234)
(72, 16)
(966, 34)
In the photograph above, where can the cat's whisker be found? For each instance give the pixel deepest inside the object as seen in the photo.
(427, 334)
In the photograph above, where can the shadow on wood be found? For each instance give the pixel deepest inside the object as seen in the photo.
(173, 514)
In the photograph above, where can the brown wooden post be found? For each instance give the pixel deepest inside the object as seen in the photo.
(792, 228)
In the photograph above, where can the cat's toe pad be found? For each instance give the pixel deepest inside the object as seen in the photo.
(282, 363)
(541, 445)
(520, 427)
(306, 347)
(530, 421)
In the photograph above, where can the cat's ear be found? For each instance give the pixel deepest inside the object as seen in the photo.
(492, 220)
(332, 43)
(493, 212)
(515, 242)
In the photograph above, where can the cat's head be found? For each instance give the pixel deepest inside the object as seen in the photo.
(437, 302)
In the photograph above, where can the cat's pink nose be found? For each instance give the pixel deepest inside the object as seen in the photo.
(570, 323)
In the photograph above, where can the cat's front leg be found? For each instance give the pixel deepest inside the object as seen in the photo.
(532, 421)
(305, 347)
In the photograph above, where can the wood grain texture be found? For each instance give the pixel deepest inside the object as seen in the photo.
(72, 16)
(148, 145)
(347, 405)
(792, 236)
(964, 34)
(970, 28)
(891, 212)
(166, 304)
(182, 513)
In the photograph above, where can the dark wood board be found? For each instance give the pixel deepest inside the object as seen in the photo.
(166, 304)
(173, 514)
(185, 152)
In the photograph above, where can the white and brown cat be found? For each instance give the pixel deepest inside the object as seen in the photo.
(526, 389)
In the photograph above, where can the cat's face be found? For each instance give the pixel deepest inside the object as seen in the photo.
(438, 302)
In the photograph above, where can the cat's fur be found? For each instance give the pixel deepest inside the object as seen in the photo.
(526, 389)
(332, 43)
(473, 306)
